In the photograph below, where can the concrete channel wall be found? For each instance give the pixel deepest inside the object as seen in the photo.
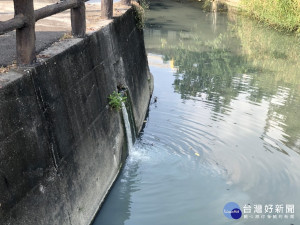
(61, 146)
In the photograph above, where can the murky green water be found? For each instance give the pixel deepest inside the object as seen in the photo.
(225, 127)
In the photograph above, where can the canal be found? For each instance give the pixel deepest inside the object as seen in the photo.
(223, 123)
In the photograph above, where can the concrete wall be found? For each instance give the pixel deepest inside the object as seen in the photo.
(61, 146)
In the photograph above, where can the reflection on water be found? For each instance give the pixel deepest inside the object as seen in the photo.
(243, 58)
(225, 126)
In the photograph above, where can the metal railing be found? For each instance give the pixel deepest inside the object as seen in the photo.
(25, 18)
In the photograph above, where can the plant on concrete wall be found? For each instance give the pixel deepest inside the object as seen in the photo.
(115, 100)
(66, 36)
(144, 4)
(140, 13)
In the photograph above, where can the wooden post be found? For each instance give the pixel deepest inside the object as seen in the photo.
(106, 9)
(126, 2)
(25, 36)
(78, 21)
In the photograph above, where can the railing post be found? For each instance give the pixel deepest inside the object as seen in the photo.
(25, 36)
(78, 21)
(126, 2)
(106, 9)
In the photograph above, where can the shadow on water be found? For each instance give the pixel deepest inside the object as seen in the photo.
(123, 189)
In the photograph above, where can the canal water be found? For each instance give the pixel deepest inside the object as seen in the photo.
(223, 123)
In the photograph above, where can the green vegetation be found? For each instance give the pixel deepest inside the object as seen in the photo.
(281, 14)
(276, 54)
(115, 100)
(140, 10)
(66, 36)
(144, 4)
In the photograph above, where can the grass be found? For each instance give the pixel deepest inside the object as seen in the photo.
(280, 14)
(140, 10)
(115, 100)
(66, 36)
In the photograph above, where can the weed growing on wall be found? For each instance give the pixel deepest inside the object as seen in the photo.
(115, 100)
(66, 36)
(140, 10)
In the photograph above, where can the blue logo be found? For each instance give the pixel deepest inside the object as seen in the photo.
(232, 211)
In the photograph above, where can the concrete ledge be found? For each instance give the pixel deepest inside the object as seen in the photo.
(61, 146)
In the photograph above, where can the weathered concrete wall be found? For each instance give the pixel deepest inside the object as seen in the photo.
(61, 146)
